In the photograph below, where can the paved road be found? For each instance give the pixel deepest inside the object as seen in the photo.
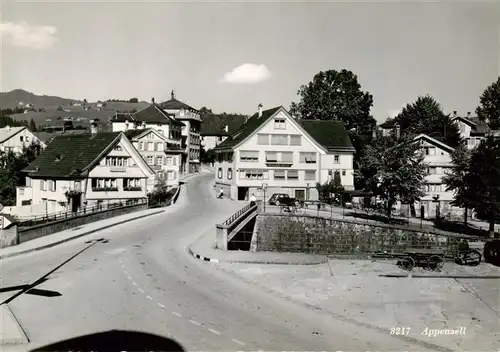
(144, 280)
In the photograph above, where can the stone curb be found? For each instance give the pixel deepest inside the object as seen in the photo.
(53, 244)
(257, 261)
(13, 341)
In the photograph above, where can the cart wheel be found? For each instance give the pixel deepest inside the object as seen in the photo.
(473, 258)
(435, 262)
(407, 263)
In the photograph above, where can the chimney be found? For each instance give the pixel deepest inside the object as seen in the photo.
(455, 113)
(226, 129)
(126, 125)
(260, 109)
(468, 114)
(152, 100)
(398, 130)
(143, 125)
(93, 126)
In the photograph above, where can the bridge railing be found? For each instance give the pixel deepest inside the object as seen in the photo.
(224, 229)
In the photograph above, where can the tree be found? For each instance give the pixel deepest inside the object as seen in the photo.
(489, 105)
(455, 180)
(482, 181)
(10, 171)
(207, 157)
(426, 116)
(133, 100)
(336, 95)
(395, 170)
(334, 186)
(32, 126)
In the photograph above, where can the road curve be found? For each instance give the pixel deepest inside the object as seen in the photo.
(142, 279)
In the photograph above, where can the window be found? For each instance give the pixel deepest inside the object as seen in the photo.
(292, 175)
(287, 157)
(150, 146)
(336, 159)
(343, 172)
(219, 139)
(271, 157)
(279, 174)
(51, 185)
(104, 184)
(141, 146)
(279, 124)
(308, 158)
(28, 181)
(249, 156)
(219, 172)
(132, 184)
(159, 146)
(431, 170)
(310, 175)
(150, 160)
(159, 160)
(169, 160)
(431, 151)
(118, 148)
(229, 174)
(296, 139)
(78, 185)
(254, 174)
(160, 132)
(171, 175)
(279, 139)
(116, 161)
(160, 174)
(21, 138)
(174, 160)
(262, 139)
(42, 185)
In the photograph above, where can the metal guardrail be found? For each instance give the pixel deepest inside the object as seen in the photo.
(37, 220)
(236, 215)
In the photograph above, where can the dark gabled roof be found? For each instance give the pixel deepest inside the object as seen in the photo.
(214, 125)
(174, 104)
(330, 134)
(388, 123)
(478, 127)
(134, 133)
(248, 128)
(47, 137)
(154, 114)
(70, 156)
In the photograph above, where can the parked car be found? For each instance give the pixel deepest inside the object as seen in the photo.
(283, 199)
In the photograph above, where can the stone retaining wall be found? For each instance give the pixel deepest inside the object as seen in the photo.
(312, 234)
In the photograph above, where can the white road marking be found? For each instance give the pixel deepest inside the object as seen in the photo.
(214, 331)
(140, 290)
(238, 342)
(161, 305)
(177, 314)
(194, 322)
(134, 283)
(149, 297)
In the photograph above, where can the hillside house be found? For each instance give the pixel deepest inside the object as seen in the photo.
(275, 152)
(86, 169)
(191, 120)
(15, 139)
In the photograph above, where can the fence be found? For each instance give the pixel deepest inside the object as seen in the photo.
(372, 216)
(310, 234)
(236, 215)
(37, 220)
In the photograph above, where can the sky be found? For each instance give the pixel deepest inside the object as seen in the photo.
(231, 56)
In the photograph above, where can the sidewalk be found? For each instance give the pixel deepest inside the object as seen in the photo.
(11, 332)
(204, 249)
(73, 233)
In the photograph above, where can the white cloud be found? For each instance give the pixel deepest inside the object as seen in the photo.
(247, 74)
(24, 35)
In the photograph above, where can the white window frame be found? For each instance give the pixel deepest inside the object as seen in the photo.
(279, 123)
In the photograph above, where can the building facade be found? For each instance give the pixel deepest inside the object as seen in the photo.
(83, 170)
(275, 153)
(191, 120)
(164, 159)
(217, 128)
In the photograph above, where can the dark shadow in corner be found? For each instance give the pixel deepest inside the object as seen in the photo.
(378, 217)
(114, 341)
(460, 227)
(181, 183)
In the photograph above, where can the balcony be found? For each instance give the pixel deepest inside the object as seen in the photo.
(278, 163)
(105, 189)
(134, 189)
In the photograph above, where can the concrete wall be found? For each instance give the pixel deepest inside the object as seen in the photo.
(310, 234)
(27, 234)
(8, 237)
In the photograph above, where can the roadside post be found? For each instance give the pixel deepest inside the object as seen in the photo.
(264, 187)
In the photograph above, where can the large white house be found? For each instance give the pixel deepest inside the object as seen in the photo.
(86, 169)
(191, 120)
(272, 150)
(16, 138)
(163, 158)
(472, 130)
